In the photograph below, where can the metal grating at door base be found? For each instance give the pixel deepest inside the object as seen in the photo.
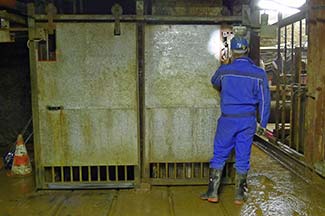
(186, 173)
(87, 175)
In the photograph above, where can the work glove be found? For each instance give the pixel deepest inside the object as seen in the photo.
(260, 130)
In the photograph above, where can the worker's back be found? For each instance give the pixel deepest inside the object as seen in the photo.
(241, 85)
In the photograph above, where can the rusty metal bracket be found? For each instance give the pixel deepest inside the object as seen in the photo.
(117, 12)
(13, 17)
(51, 12)
(140, 7)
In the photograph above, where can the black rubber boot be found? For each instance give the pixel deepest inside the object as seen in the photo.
(214, 182)
(241, 188)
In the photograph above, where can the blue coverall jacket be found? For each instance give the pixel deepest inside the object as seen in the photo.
(244, 92)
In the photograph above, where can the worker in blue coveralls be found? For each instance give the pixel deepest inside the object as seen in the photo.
(244, 92)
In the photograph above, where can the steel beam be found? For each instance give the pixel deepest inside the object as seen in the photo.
(292, 19)
(146, 18)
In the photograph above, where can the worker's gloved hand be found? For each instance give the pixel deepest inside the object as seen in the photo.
(260, 130)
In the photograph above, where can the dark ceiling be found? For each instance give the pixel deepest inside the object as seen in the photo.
(104, 6)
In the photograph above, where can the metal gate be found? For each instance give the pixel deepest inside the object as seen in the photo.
(85, 106)
(291, 85)
(289, 91)
(180, 105)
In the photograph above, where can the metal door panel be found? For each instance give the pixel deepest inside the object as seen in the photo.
(180, 134)
(87, 102)
(88, 137)
(88, 74)
(181, 106)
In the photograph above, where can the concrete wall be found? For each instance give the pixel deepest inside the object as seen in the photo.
(15, 96)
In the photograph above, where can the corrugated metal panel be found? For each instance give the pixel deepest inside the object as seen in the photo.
(181, 106)
(94, 81)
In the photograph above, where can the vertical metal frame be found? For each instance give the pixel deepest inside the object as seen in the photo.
(289, 87)
(34, 84)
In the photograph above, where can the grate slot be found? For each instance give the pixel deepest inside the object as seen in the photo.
(188, 170)
(175, 170)
(84, 174)
(80, 174)
(171, 170)
(206, 170)
(130, 173)
(107, 173)
(121, 173)
(48, 174)
(179, 170)
(185, 170)
(197, 170)
(62, 174)
(75, 173)
(66, 174)
(103, 173)
(57, 174)
(154, 171)
(91, 173)
(112, 173)
(163, 170)
(53, 174)
(94, 173)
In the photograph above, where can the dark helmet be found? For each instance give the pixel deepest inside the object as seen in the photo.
(239, 44)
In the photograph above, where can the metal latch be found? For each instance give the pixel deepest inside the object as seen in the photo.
(117, 12)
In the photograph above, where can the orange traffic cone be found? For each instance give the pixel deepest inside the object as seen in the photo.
(21, 164)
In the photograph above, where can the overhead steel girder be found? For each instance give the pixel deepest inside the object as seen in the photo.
(146, 19)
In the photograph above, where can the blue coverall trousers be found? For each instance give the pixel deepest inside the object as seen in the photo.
(234, 132)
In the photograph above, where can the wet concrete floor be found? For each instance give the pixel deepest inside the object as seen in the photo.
(273, 190)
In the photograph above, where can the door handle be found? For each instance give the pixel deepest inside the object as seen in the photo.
(54, 108)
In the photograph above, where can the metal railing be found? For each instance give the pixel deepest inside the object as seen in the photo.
(291, 80)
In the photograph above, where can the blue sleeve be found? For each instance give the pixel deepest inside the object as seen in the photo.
(216, 80)
(264, 99)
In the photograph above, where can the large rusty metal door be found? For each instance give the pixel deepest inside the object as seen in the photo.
(87, 108)
(181, 106)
